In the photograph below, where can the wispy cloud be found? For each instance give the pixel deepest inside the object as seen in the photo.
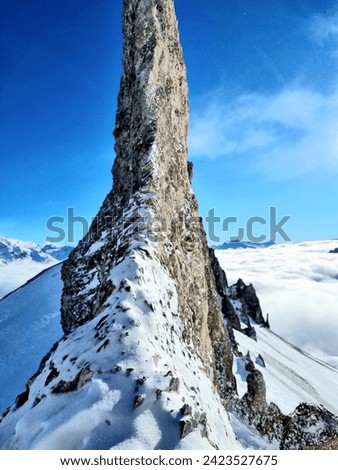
(324, 27)
(282, 135)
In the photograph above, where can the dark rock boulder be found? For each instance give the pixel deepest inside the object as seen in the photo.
(78, 382)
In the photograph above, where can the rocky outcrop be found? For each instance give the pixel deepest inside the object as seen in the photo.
(307, 427)
(239, 303)
(334, 251)
(251, 305)
(151, 200)
(147, 312)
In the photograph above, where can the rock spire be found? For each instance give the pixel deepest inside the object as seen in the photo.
(150, 323)
(151, 201)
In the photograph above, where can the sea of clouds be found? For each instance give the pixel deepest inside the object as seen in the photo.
(297, 285)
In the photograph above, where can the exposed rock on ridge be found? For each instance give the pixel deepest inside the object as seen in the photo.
(152, 196)
(145, 339)
(147, 312)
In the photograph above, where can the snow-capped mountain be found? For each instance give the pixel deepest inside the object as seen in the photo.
(236, 244)
(14, 250)
(20, 261)
(58, 252)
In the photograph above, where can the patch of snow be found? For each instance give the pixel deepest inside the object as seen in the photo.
(248, 436)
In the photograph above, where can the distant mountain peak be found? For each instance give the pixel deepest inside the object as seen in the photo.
(16, 250)
(58, 252)
(236, 244)
(13, 250)
(20, 261)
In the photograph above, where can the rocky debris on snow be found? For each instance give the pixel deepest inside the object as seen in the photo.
(145, 298)
(78, 382)
(309, 427)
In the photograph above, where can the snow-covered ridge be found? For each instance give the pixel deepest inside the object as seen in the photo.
(135, 382)
(291, 376)
(301, 387)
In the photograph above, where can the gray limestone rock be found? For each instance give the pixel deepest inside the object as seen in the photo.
(151, 197)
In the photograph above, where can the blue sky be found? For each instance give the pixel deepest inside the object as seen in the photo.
(264, 111)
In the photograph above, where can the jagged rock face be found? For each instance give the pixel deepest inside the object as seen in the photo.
(144, 332)
(151, 198)
(309, 427)
(249, 305)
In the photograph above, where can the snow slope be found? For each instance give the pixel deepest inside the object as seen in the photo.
(129, 381)
(29, 325)
(291, 376)
(147, 386)
(297, 285)
(20, 261)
